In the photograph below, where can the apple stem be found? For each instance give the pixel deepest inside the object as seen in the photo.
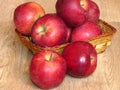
(50, 57)
(42, 30)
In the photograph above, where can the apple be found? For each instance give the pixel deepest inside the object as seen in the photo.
(50, 30)
(86, 31)
(47, 69)
(73, 12)
(81, 58)
(25, 15)
(93, 12)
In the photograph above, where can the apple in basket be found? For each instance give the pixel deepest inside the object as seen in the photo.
(49, 30)
(47, 69)
(81, 58)
(86, 31)
(93, 12)
(73, 12)
(25, 15)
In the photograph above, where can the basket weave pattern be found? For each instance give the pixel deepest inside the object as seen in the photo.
(100, 42)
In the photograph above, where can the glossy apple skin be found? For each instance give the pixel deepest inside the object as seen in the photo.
(86, 31)
(93, 12)
(25, 15)
(49, 30)
(69, 30)
(47, 69)
(81, 58)
(72, 11)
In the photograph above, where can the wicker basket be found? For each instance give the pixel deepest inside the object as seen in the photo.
(100, 42)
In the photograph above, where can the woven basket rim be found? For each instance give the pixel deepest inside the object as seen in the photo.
(23, 38)
(105, 34)
(57, 47)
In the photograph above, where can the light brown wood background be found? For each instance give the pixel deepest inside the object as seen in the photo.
(15, 57)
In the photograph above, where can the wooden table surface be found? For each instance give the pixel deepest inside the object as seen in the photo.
(15, 57)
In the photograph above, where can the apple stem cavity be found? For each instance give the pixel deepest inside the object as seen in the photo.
(42, 30)
(82, 3)
(49, 57)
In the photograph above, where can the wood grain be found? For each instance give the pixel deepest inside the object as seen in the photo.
(15, 57)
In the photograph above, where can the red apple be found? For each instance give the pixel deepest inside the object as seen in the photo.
(93, 12)
(25, 15)
(47, 69)
(49, 30)
(73, 12)
(81, 58)
(86, 31)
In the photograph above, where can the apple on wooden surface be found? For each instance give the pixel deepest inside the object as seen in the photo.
(25, 15)
(47, 69)
(86, 31)
(73, 12)
(81, 58)
(49, 30)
